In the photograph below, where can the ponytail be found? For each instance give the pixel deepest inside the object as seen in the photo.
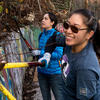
(96, 40)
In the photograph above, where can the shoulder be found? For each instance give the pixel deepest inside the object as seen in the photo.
(87, 57)
(57, 32)
(88, 62)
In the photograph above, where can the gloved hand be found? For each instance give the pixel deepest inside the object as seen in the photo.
(45, 59)
(36, 52)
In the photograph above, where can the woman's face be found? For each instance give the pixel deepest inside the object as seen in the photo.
(46, 22)
(79, 38)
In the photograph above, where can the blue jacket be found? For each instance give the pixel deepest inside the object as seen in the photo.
(53, 66)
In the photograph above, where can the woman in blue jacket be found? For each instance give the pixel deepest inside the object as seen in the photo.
(49, 76)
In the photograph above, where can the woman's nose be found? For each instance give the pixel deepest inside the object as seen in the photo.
(69, 30)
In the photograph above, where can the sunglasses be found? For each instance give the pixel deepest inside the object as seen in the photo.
(74, 29)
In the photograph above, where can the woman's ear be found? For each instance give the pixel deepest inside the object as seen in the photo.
(52, 23)
(90, 34)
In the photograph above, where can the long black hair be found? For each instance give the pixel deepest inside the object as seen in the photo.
(92, 24)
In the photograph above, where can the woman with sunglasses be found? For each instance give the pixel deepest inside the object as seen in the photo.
(81, 69)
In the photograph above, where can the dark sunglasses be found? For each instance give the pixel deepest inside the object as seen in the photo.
(74, 29)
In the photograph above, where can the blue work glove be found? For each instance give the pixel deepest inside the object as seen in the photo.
(45, 59)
